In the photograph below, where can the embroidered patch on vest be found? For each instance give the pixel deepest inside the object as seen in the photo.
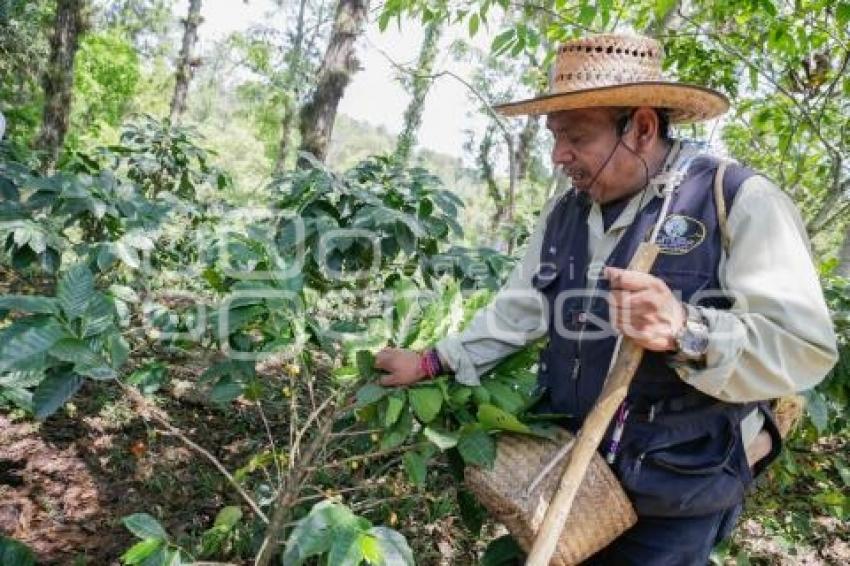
(680, 234)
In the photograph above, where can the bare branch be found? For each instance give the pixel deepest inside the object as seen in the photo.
(148, 410)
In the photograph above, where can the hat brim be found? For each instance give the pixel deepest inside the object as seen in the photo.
(686, 103)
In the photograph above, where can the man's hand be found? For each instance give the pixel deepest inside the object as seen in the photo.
(643, 308)
(403, 366)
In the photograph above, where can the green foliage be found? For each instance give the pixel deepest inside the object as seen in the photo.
(14, 553)
(450, 415)
(45, 356)
(106, 73)
(383, 214)
(117, 197)
(161, 157)
(332, 530)
(827, 405)
(157, 548)
(149, 378)
(24, 49)
(154, 549)
(502, 551)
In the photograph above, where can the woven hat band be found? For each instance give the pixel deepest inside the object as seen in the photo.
(606, 60)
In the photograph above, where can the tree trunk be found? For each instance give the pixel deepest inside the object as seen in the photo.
(419, 85)
(290, 97)
(186, 63)
(844, 257)
(525, 145)
(338, 65)
(58, 80)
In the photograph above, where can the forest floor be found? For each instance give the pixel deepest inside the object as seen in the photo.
(65, 485)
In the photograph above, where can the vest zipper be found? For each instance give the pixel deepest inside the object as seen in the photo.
(638, 463)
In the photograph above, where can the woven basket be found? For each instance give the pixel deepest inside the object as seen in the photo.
(601, 511)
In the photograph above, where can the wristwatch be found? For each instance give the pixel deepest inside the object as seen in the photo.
(692, 338)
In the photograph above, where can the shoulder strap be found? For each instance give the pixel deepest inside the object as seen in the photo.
(720, 203)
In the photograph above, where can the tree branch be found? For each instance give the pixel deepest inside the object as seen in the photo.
(148, 410)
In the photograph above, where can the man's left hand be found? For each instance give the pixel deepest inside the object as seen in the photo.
(643, 308)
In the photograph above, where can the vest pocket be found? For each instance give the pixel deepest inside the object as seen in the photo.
(546, 275)
(685, 282)
(685, 471)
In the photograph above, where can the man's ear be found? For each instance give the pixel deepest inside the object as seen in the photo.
(645, 126)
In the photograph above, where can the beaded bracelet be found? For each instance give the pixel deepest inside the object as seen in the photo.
(429, 363)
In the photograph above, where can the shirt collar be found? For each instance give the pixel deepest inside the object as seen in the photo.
(671, 173)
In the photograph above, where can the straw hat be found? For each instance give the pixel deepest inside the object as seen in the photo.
(618, 70)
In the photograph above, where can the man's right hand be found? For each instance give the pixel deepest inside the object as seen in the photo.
(403, 367)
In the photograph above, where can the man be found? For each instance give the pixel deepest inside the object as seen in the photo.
(731, 315)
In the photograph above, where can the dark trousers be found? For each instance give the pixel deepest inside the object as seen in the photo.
(681, 541)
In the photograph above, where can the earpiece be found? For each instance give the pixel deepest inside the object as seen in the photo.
(623, 124)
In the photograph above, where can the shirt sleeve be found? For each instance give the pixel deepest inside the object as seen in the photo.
(778, 337)
(512, 320)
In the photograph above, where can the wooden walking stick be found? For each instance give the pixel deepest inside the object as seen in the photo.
(587, 441)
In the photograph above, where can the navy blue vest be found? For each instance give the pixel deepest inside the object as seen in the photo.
(575, 362)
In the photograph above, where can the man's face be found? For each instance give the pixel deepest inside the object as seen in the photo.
(584, 140)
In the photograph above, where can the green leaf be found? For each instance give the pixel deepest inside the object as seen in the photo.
(399, 432)
(124, 293)
(474, 21)
(586, 14)
(100, 373)
(75, 351)
(99, 316)
(18, 396)
(416, 468)
(394, 548)
(459, 396)
(663, 6)
(502, 43)
(52, 393)
(144, 526)
(228, 517)
(119, 350)
(472, 513)
(817, 409)
(370, 393)
(28, 343)
(75, 290)
(384, 20)
(504, 396)
(314, 534)
(141, 550)
(441, 439)
(345, 548)
(365, 364)
(127, 254)
(395, 403)
(21, 378)
(15, 553)
(226, 390)
(477, 447)
(28, 304)
(503, 551)
(426, 402)
(149, 378)
(480, 394)
(842, 13)
(494, 418)
(369, 549)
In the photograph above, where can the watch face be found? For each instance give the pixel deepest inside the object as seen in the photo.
(694, 341)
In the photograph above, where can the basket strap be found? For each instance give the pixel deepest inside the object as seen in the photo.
(720, 203)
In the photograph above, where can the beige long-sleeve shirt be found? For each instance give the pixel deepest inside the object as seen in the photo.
(776, 339)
